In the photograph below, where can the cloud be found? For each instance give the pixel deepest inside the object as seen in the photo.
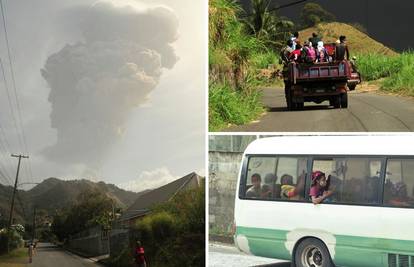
(96, 82)
(149, 180)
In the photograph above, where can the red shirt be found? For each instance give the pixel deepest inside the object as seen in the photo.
(295, 54)
(139, 255)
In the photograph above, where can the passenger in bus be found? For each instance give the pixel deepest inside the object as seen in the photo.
(268, 189)
(399, 196)
(255, 190)
(290, 191)
(287, 186)
(372, 185)
(319, 190)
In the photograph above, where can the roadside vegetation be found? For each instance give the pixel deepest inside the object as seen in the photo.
(11, 238)
(172, 235)
(92, 208)
(244, 55)
(16, 258)
(396, 72)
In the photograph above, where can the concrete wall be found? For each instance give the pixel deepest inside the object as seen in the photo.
(119, 240)
(92, 242)
(223, 171)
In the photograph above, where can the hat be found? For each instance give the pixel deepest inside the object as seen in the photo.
(316, 175)
(306, 42)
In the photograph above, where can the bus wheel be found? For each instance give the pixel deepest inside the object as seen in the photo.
(344, 100)
(312, 252)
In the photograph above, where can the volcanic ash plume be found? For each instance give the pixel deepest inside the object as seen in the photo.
(96, 82)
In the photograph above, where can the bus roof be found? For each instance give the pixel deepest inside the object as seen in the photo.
(397, 144)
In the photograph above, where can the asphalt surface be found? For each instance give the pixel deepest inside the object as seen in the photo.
(367, 111)
(221, 255)
(49, 255)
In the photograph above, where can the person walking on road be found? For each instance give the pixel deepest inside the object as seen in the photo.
(139, 255)
(30, 251)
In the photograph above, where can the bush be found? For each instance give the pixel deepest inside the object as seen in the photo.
(12, 236)
(174, 234)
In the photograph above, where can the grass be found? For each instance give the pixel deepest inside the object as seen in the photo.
(396, 72)
(358, 41)
(16, 258)
(227, 106)
(236, 63)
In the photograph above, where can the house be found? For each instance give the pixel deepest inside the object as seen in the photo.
(142, 206)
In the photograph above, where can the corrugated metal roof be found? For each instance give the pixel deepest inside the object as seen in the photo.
(144, 202)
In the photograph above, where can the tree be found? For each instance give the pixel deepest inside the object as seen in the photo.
(313, 14)
(92, 208)
(267, 26)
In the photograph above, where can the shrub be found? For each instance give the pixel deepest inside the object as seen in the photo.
(12, 236)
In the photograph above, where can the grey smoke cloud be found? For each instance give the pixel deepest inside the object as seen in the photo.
(96, 82)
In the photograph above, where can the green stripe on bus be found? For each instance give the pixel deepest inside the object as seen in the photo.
(349, 250)
(265, 242)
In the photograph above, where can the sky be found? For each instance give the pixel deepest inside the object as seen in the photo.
(110, 90)
(388, 21)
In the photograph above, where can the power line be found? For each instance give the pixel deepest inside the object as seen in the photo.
(10, 103)
(14, 83)
(280, 7)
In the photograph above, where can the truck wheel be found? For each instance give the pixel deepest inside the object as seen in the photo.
(337, 101)
(344, 100)
(289, 101)
(312, 252)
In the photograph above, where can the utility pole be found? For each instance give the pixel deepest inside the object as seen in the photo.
(14, 194)
(34, 225)
(15, 186)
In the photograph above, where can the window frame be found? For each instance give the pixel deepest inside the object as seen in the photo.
(385, 175)
(310, 159)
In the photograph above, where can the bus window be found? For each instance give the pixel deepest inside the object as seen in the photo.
(260, 173)
(352, 180)
(276, 178)
(399, 183)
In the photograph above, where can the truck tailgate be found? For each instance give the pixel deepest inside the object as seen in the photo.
(319, 71)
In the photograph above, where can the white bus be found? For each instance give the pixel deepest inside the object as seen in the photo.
(367, 221)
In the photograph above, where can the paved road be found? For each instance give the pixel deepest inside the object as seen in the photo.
(48, 255)
(228, 256)
(367, 111)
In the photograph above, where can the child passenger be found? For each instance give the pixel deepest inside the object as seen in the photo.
(319, 187)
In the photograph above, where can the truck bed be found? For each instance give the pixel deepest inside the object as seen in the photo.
(303, 72)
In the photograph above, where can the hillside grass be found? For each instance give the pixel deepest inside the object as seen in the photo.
(358, 41)
(396, 72)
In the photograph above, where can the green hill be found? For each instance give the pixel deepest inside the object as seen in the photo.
(358, 42)
(54, 194)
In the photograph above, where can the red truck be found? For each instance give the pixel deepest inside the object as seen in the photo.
(318, 82)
